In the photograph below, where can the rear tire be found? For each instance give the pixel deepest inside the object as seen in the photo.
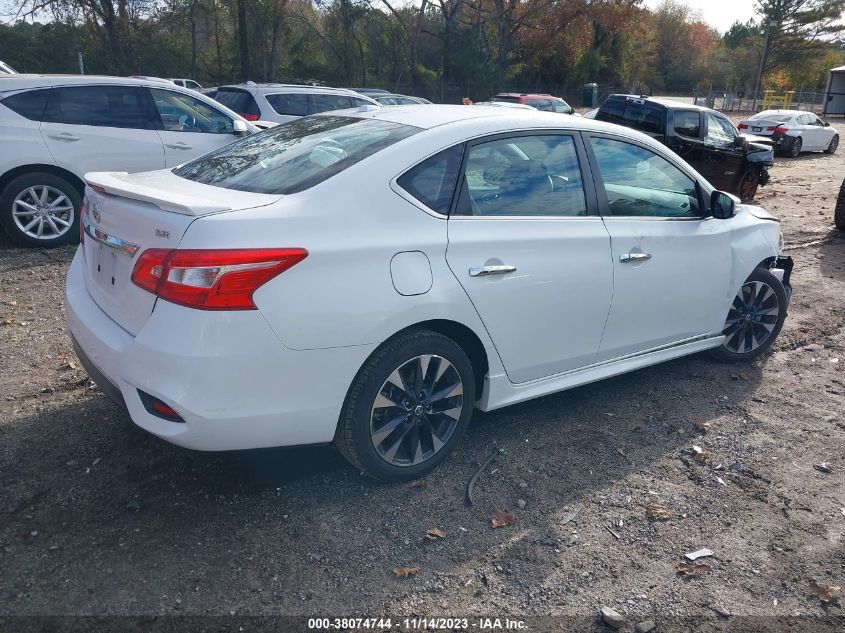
(40, 209)
(839, 210)
(754, 319)
(408, 407)
(794, 150)
(834, 143)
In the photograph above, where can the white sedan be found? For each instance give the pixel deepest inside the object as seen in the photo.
(793, 131)
(370, 278)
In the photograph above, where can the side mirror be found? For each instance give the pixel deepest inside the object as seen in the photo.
(239, 127)
(826, 124)
(722, 205)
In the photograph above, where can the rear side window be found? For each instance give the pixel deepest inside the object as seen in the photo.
(357, 103)
(239, 101)
(329, 102)
(687, 123)
(614, 107)
(295, 156)
(289, 103)
(101, 106)
(644, 117)
(432, 182)
(28, 104)
(506, 99)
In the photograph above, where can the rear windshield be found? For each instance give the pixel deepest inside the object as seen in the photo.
(506, 99)
(294, 156)
(238, 101)
(779, 118)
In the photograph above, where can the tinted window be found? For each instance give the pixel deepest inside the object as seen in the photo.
(238, 101)
(102, 106)
(614, 107)
(357, 102)
(720, 131)
(28, 104)
(432, 182)
(506, 99)
(289, 103)
(329, 102)
(525, 175)
(294, 156)
(687, 123)
(183, 113)
(541, 104)
(638, 182)
(644, 117)
(562, 107)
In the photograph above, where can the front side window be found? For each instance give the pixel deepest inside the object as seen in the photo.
(294, 156)
(183, 113)
(29, 104)
(101, 106)
(289, 103)
(329, 102)
(687, 123)
(432, 182)
(639, 182)
(542, 104)
(524, 175)
(561, 107)
(719, 131)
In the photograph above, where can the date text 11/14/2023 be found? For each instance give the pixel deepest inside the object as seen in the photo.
(416, 624)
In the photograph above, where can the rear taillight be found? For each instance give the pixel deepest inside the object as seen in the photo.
(742, 126)
(772, 128)
(781, 130)
(212, 279)
(249, 117)
(82, 211)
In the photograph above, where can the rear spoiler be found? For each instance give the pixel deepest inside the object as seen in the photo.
(118, 183)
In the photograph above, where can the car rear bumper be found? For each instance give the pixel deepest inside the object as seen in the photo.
(226, 373)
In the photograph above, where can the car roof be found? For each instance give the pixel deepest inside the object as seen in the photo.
(274, 87)
(526, 94)
(666, 102)
(789, 112)
(27, 81)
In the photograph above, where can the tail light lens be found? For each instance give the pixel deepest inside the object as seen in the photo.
(249, 117)
(82, 211)
(212, 279)
(781, 130)
(772, 128)
(742, 126)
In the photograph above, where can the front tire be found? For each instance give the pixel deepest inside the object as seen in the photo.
(748, 185)
(754, 319)
(408, 407)
(834, 143)
(839, 211)
(40, 209)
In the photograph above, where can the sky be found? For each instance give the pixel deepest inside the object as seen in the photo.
(720, 14)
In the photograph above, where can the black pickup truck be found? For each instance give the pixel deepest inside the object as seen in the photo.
(706, 139)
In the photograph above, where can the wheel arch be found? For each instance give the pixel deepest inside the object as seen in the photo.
(72, 178)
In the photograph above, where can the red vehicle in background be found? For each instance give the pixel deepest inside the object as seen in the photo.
(544, 102)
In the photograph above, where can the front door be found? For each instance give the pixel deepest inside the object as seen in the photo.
(671, 264)
(530, 251)
(724, 155)
(189, 127)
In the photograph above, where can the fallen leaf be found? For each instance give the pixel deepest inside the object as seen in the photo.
(404, 572)
(699, 455)
(419, 484)
(502, 519)
(69, 365)
(435, 533)
(693, 569)
(658, 512)
(8, 321)
(825, 593)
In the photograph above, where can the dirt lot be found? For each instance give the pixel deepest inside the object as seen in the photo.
(97, 517)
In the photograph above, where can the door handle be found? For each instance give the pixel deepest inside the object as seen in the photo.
(634, 257)
(64, 136)
(483, 271)
(179, 145)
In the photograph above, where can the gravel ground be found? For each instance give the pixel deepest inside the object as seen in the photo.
(97, 517)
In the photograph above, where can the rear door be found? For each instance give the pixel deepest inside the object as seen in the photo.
(101, 128)
(530, 251)
(188, 127)
(671, 264)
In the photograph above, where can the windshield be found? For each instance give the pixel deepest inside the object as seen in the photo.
(294, 156)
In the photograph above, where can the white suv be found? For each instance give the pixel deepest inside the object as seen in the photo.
(286, 102)
(55, 129)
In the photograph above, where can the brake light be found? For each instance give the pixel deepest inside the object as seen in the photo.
(781, 130)
(212, 279)
(249, 117)
(742, 126)
(772, 128)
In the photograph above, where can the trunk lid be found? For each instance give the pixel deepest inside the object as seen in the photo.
(129, 213)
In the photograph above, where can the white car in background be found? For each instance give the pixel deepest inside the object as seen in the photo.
(793, 131)
(187, 83)
(369, 278)
(55, 129)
